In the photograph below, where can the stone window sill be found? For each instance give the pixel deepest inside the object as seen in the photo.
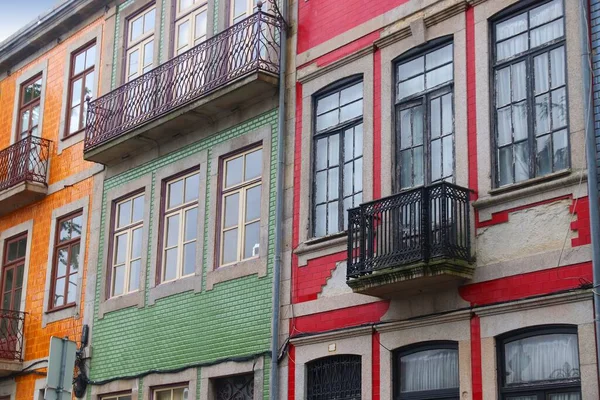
(243, 268)
(320, 247)
(185, 284)
(134, 299)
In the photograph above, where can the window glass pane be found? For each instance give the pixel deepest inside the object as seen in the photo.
(557, 60)
(436, 116)
(136, 28)
(545, 13)
(358, 140)
(321, 156)
(253, 203)
(192, 184)
(334, 150)
(183, 32)
(148, 56)
(233, 171)
(252, 240)
(544, 155)
(511, 27)
(502, 87)
(74, 119)
(406, 169)
(411, 86)
(541, 358)
(189, 258)
(321, 187)
(136, 243)
(547, 33)
(417, 132)
(429, 370)
(447, 156)
(333, 183)
(542, 110)
(328, 103)
(512, 46)
(138, 209)
(72, 289)
(200, 27)
(320, 220)
(25, 121)
(191, 224)
(438, 57)
(121, 248)
(447, 126)
(351, 110)
(79, 64)
(348, 178)
(232, 210)
(436, 160)
(439, 76)
(561, 153)
(134, 275)
(61, 262)
(134, 62)
(76, 92)
(172, 230)
(253, 165)
(540, 77)
(230, 247)
(519, 81)
(183, 4)
(90, 57)
(124, 213)
(519, 114)
(405, 129)
(564, 396)
(358, 165)
(410, 68)
(348, 144)
(521, 162)
(170, 264)
(74, 261)
(559, 108)
(351, 94)
(505, 165)
(418, 166)
(119, 280)
(59, 292)
(149, 20)
(332, 215)
(175, 194)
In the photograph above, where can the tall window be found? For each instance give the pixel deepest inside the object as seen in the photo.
(65, 266)
(140, 44)
(81, 85)
(240, 206)
(530, 97)
(180, 225)
(338, 157)
(13, 267)
(240, 9)
(427, 372)
(29, 108)
(334, 377)
(174, 393)
(425, 118)
(117, 397)
(541, 364)
(190, 24)
(128, 227)
(238, 387)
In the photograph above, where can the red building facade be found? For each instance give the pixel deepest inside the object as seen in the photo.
(454, 131)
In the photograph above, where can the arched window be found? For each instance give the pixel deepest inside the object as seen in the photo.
(539, 364)
(334, 378)
(428, 371)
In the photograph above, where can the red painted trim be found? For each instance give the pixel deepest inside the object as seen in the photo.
(581, 208)
(521, 286)
(502, 216)
(311, 278)
(376, 367)
(476, 376)
(377, 124)
(471, 103)
(291, 372)
(344, 51)
(341, 318)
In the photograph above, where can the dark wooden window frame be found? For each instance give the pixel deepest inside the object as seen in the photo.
(527, 56)
(162, 213)
(424, 98)
(58, 246)
(72, 78)
(445, 394)
(111, 241)
(14, 263)
(221, 193)
(28, 106)
(334, 130)
(542, 389)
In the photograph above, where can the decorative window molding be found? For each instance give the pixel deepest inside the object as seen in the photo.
(188, 377)
(94, 36)
(193, 282)
(209, 376)
(40, 69)
(337, 376)
(136, 298)
(73, 311)
(257, 265)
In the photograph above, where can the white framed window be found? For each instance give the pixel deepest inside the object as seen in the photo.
(128, 227)
(240, 206)
(117, 397)
(180, 226)
(190, 24)
(241, 9)
(172, 393)
(139, 57)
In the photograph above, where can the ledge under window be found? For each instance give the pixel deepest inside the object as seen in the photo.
(320, 247)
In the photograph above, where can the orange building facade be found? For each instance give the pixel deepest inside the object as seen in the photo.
(47, 70)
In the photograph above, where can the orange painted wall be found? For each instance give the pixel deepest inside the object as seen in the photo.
(68, 163)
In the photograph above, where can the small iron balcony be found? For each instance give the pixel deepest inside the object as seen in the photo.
(11, 341)
(230, 70)
(23, 171)
(420, 234)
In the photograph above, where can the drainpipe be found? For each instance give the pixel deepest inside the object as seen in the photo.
(281, 126)
(590, 150)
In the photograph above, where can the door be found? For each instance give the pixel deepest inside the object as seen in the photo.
(12, 285)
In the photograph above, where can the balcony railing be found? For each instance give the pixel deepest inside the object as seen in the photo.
(250, 46)
(11, 335)
(416, 226)
(24, 161)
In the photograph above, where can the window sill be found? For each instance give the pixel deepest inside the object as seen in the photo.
(319, 247)
(133, 299)
(59, 313)
(530, 182)
(253, 266)
(170, 288)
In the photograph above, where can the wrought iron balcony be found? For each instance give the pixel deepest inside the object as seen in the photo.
(11, 341)
(23, 171)
(422, 233)
(234, 68)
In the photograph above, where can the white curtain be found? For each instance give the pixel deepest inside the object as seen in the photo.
(429, 370)
(565, 396)
(541, 358)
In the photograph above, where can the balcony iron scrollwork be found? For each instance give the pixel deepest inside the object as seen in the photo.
(415, 226)
(250, 46)
(24, 161)
(11, 335)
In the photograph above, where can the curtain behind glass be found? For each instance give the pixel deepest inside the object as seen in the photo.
(429, 370)
(565, 396)
(539, 358)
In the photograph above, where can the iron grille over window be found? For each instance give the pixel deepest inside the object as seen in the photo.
(334, 378)
(530, 96)
(239, 387)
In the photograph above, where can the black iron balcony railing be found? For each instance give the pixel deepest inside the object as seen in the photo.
(11, 335)
(250, 46)
(410, 227)
(24, 161)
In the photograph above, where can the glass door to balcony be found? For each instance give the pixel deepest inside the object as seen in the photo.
(12, 285)
(244, 48)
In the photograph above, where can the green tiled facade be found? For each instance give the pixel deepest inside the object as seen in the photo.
(233, 320)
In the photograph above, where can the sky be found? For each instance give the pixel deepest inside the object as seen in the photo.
(15, 14)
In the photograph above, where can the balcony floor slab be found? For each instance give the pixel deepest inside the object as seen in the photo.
(21, 195)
